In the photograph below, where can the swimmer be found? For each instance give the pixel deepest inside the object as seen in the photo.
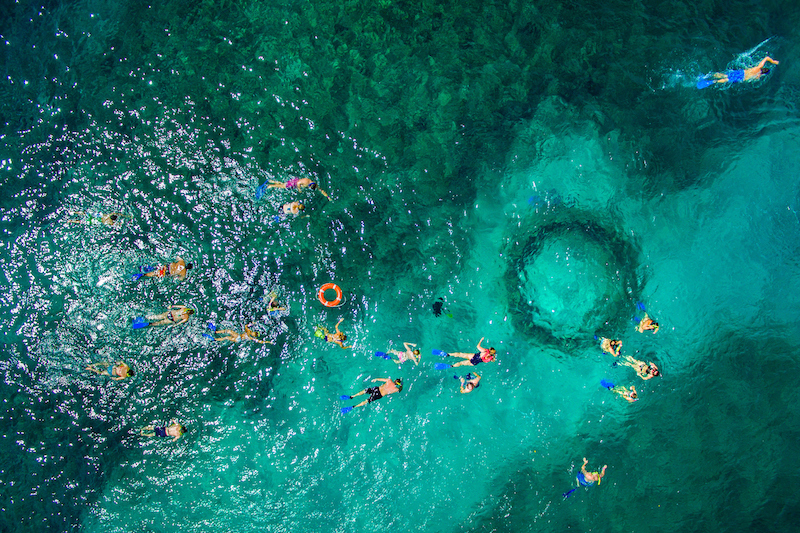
(297, 183)
(336, 338)
(117, 371)
(643, 370)
(748, 74)
(97, 218)
(274, 308)
(408, 355)
(291, 208)
(174, 430)
(177, 315)
(469, 382)
(647, 324)
(483, 355)
(246, 335)
(630, 395)
(610, 346)
(178, 269)
(389, 386)
(586, 478)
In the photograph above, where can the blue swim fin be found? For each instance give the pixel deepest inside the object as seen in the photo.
(207, 336)
(607, 384)
(147, 269)
(383, 355)
(136, 276)
(211, 326)
(140, 322)
(261, 190)
(640, 305)
(345, 397)
(441, 366)
(440, 353)
(568, 493)
(346, 410)
(702, 83)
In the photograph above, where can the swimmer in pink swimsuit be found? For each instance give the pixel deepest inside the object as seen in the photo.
(297, 183)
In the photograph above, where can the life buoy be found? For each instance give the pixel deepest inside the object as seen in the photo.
(330, 303)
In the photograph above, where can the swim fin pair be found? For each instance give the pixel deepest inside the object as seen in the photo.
(383, 355)
(441, 366)
(702, 83)
(346, 410)
(606, 384)
(142, 271)
(212, 327)
(140, 322)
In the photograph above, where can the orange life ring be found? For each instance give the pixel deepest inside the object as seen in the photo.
(330, 303)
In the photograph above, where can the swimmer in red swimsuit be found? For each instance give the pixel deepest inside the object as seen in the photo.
(297, 183)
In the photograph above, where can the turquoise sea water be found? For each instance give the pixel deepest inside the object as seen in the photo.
(540, 166)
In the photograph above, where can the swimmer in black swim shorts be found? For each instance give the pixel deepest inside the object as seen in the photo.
(389, 386)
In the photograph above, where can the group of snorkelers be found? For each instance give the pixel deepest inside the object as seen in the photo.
(645, 370)
(177, 315)
(468, 382)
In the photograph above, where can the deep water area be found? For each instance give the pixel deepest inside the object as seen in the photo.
(534, 174)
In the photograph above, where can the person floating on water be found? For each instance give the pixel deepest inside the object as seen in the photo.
(97, 218)
(273, 307)
(737, 76)
(584, 478)
(643, 370)
(629, 395)
(336, 338)
(647, 324)
(469, 382)
(117, 371)
(174, 430)
(484, 355)
(233, 336)
(178, 269)
(297, 183)
(408, 355)
(610, 346)
(177, 315)
(389, 386)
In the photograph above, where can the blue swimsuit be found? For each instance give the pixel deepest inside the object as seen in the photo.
(583, 481)
(735, 76)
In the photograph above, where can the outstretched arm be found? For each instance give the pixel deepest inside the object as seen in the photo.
(480, 348)
(764, 61)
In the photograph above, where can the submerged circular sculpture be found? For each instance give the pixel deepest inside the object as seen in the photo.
(572, 278)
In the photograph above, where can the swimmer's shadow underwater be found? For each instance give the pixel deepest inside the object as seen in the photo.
(439, 309)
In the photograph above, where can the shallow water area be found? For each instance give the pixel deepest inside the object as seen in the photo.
(530, 174)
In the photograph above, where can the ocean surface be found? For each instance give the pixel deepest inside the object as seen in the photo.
(524, 172)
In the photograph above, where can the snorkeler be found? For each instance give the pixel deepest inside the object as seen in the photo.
(647, 324)
(178, 269)
(336, 338)
(484, 355)
(97, 218)
(737, 76)
(233, 336)
(408, 355)
(174, 430)
(273, 307)
(610, 346)
(375, 393)
(586, 478)
(643, 370)
(177, 315)
(117, 371)
(297, 183)
(630, 395)
(469, 382)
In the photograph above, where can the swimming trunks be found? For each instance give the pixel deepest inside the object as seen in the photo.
(476, 359)
(162, 271)
(170, 317)
(160, 432)
(735, 76)
(374, 394)
(582, 480)
(111, 370)
(292, 183)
